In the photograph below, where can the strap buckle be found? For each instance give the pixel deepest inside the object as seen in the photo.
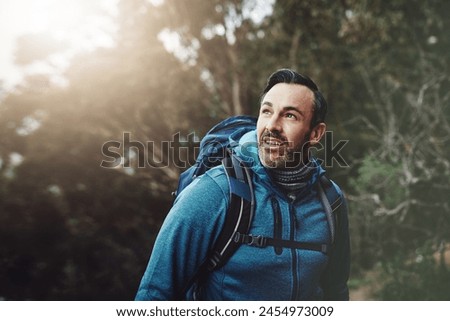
(252, 240)
(258, 241)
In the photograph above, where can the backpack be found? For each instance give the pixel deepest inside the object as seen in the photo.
(215, 149)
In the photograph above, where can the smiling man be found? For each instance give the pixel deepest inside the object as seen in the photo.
(305, 254)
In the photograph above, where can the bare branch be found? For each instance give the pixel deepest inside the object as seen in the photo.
(396, 210)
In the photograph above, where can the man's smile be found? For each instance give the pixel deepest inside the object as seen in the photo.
(273, 142)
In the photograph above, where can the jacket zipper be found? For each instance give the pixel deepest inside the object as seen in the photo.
(278, 224)
(294, 254)
(294, 264)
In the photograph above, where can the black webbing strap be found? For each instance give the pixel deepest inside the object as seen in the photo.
(331, 200)
(262, 241)
(328, 212)
(238, 219)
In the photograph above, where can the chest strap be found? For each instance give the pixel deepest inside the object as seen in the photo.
(262, 241)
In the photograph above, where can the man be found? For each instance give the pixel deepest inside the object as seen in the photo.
(288, 206)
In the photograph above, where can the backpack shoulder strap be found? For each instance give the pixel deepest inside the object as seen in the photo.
(239, 214)
(331, 200)
(238, 219)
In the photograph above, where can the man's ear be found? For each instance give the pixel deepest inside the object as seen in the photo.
(316, 133)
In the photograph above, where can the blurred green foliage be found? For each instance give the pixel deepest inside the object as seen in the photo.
(422, 279)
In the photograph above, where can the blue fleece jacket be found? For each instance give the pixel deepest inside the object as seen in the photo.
(252, 273)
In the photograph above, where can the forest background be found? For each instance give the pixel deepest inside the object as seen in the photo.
(71, 229)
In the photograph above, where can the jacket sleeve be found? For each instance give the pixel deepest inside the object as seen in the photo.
(182, 244)
(335, 278)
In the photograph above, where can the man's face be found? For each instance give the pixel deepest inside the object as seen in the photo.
(283, 126)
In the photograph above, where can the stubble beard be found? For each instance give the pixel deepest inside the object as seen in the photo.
(286, 156)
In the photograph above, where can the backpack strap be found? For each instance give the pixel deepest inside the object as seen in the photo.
(262, 241)
(239, 214)
(331, 200)
(238, 219)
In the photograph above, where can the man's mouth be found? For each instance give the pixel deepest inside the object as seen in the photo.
(272, 142)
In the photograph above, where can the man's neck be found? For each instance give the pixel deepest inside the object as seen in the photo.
(292, 180)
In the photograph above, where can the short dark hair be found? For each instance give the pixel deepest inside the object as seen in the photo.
(289, 76)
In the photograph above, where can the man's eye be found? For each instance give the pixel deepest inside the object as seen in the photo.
(291, 116)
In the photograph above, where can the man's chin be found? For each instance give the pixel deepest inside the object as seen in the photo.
(270, 160)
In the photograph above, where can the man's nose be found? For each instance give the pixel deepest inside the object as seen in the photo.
(273, 124)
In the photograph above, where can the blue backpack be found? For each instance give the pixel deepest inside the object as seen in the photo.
(215, 150)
